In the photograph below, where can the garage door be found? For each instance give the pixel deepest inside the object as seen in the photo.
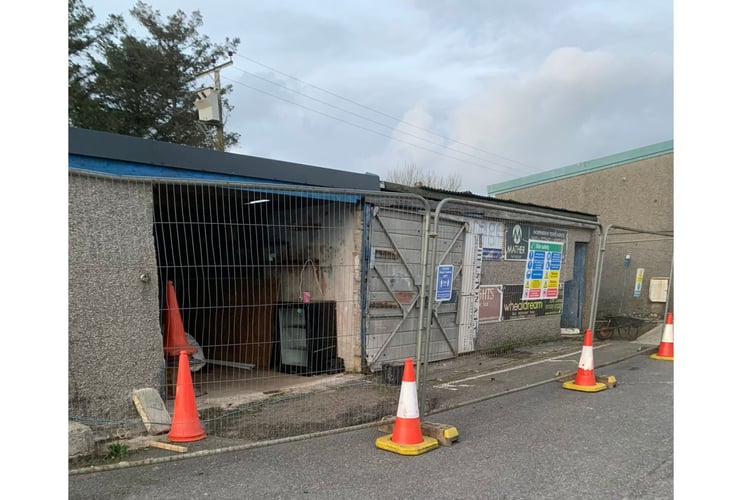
(394, 240)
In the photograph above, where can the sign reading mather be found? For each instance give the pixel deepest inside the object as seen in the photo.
(542, 271)
(518, 235)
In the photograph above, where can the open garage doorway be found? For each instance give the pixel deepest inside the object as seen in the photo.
(264, 279)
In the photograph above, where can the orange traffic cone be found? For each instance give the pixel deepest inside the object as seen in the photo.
(584, 380)
(175, 339)
(666, 347)
(407, 437)
(185, 423)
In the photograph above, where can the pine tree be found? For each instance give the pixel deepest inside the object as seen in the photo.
(142, 86)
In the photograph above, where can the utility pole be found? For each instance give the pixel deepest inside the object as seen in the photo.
(209, 104)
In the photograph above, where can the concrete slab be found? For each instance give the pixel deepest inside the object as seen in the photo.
(80, 440)
(152, 410)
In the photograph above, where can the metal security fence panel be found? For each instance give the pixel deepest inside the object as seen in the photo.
(485, 296)
(277, 298)
(395, 240)
(300, 305)
(450, 263)
(636, 281)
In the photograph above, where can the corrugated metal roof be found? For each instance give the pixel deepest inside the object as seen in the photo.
(437, 194)
(584, 167)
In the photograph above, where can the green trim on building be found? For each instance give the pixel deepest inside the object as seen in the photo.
(585, 167)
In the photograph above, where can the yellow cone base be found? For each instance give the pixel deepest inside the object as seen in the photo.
(664, 358)
(386, 443)
(599, 386)
(445, 434)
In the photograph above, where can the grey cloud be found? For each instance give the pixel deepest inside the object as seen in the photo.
(545, 83)
(576, 98)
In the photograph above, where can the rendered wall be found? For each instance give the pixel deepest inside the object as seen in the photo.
(331, 237)
(637, 195)
(493, 334)
(114, 336)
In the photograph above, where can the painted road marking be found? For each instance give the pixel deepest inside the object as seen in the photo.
(454, 385)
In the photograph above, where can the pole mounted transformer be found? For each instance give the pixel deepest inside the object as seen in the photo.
(209, 104)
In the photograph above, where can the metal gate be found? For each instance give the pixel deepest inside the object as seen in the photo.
(393, 276)
(395, 251)
(443, 332)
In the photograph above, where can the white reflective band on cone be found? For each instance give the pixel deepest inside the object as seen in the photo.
(586, 359)
(408, 401)
(668, 333)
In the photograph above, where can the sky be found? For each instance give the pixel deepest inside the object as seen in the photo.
(487, 91)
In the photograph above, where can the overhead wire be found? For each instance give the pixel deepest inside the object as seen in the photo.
(363, 117)
(392, 129)
(399, 120)
(362, 127)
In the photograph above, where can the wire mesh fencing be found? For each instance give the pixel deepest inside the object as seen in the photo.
(636, 282)
(486, 300)
(272, 285)
(301, 305)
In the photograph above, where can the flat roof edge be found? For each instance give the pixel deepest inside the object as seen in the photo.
(118, 147)
(580, 168)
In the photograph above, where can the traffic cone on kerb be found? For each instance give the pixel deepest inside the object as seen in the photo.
(175, 339)
(666, 347)
(407, 437)
(186, 426)
(584, 380)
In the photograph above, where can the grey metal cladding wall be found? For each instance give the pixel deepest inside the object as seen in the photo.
(134, 149)
(393, 286)
(444, 333)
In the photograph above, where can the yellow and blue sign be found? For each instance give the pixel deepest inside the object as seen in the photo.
(542, 271)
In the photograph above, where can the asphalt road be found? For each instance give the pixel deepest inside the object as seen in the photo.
(545, 442)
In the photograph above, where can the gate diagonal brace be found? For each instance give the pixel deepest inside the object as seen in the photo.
(445, 434)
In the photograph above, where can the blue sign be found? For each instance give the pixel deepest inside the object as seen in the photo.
(491, 254)
(444, 279)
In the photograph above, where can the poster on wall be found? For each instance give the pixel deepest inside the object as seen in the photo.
(491, 239)
(542, 271)
(638, 281)
(490, 298)
(517, 237)
(513, 307)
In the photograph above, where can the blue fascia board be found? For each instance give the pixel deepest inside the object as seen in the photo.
(585, 167)
(140, 170)
(128, 169)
